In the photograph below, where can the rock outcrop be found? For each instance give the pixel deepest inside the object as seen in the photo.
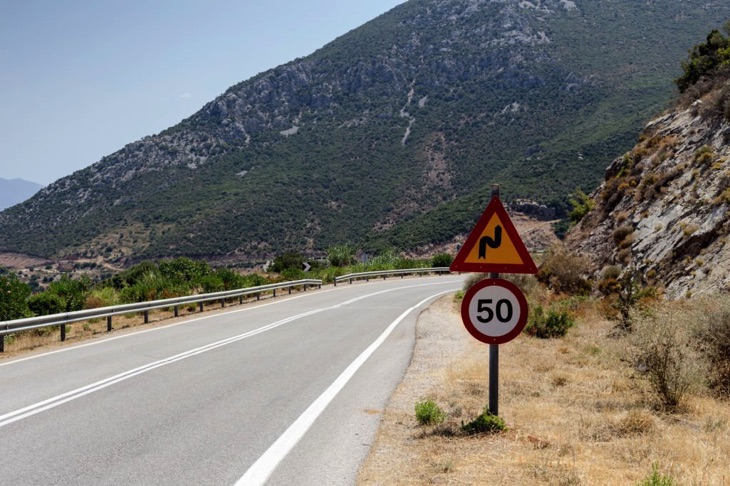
(663, 207)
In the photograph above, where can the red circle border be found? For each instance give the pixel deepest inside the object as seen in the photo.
(492, 282)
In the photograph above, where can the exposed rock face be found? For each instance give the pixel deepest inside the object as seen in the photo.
(664, 206)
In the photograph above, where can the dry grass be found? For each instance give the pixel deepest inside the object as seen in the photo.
(576, 413)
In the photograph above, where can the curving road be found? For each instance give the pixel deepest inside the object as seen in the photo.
(285, 392)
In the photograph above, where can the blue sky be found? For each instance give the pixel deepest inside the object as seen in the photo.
(79, 79)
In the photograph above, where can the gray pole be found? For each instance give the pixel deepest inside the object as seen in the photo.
(494, 353)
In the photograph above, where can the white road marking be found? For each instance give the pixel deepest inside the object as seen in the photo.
(53, 402)
(265, 465)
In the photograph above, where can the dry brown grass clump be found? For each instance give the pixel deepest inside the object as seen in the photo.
(576, 409)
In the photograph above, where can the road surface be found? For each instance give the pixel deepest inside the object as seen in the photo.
(287, 391)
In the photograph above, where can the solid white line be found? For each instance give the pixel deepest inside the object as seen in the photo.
(265, 465)
(187, 321)
(66, 397)
(159, 328)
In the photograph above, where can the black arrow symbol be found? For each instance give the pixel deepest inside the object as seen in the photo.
(488, 241)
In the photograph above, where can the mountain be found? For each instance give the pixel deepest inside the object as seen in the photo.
(391, 135)
(14, 191)
(663, 210)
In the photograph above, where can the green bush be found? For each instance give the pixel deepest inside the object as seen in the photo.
(442, 260)
(705, 59)
(341, 255)
(429, 413)
(72, 292)
(46, 304)
(485, 423)
(13, 298)
(288, 261)
(552, 324)
(581, 205)
(657, 479)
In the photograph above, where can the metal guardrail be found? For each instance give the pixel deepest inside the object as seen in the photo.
(386, 273)
(17, 325)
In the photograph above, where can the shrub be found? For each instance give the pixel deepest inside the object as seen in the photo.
(102, 297)
(485, 423)
(657, 479)
(442, 260)
(341, 255)
(564, 271)
(429, 413)
(13, 298)
(184, 270)
(581, 205)
(72, 292)
(621, 233)
(46, 303)
(662, 348)
(473, 278)
(716, 341)
(609, 283)
(552, 324)
(288, 261)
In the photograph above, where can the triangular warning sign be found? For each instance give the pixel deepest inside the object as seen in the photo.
(494, 245)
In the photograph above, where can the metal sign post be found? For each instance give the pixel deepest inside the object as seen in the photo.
(493, 310)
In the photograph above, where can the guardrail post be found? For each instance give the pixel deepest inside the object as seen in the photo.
(223, 302)
(240, 300)
(63, 332)
(176, 310)
(274, 292)
(200, 306)
(108, 323)
(367, 279)
(350, 281)
(289, 290)
(146, 317)
(258, 296)
(2, 343)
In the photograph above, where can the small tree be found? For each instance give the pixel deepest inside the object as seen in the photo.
(13, 298)
(581, 205)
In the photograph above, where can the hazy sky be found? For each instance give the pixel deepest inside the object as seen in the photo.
(79, 79)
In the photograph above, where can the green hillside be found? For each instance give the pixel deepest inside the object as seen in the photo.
(390, 135)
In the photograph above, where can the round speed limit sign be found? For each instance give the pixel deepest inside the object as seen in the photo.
(494, 311)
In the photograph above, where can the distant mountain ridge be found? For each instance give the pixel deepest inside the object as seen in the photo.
(15, 191)
(389, 136)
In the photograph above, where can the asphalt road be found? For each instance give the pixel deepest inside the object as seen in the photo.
(287, 391)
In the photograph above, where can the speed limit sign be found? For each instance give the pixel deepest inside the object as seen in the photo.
(494, 311)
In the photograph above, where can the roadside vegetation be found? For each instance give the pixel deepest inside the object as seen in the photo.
(608, 384)
(164, 279)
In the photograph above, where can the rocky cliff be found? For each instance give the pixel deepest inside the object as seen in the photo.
(664, 207)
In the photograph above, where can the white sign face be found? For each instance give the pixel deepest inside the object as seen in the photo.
(494, 311)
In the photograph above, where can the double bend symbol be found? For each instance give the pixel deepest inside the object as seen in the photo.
(488, 241)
